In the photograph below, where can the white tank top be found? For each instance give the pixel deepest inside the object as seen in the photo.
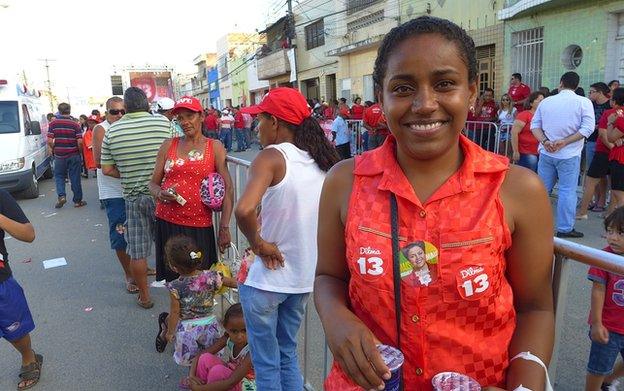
(290, 219)
(108, 187)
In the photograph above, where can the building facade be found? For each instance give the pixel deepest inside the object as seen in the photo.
(362, 27)
(232, 49)
(547, 38)
(200, 81)
(479, 19)
(316, 33)
(276, 58)
(213, 87)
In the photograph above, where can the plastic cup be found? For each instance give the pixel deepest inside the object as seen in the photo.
(393, 358)
(453, 381)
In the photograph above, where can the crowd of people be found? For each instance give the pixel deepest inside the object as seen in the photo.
(425, 237)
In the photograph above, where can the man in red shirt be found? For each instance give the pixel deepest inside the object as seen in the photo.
(239, 129)
(375, 123)
(518, 91)
(486, 108)
(210, 125)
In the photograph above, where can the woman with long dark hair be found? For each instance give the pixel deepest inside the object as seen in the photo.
(286, 177)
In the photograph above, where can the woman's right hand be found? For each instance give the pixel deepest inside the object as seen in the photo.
(354, 346)
(515, 157)
(165, 196)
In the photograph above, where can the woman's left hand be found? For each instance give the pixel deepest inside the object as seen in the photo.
(224, 239)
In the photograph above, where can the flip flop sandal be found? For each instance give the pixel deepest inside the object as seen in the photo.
(80, 204)
(161, 342)
(151, 272)
(131, 288)
(31, 372)
(145, 304)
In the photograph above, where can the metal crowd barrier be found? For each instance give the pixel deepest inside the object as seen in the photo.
(564, 251)
(355, 129)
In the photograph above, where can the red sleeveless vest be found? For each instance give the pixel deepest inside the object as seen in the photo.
(457, 305)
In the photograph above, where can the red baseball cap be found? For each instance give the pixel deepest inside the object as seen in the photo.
(285, 103)
(187, 102)
(93, 118)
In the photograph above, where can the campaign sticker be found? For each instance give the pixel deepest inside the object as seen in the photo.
(418, 263)
(473, 282)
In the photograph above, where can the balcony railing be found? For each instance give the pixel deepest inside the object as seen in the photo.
(273, 64)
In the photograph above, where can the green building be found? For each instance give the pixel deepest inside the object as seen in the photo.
(546, 38)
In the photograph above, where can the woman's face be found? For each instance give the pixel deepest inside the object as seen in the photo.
(426, 97)
(266, 129)
(537, 101)
(416, 256)
(190, 121)
(505, 100)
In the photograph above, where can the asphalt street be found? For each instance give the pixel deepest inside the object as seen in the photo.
(93, 335)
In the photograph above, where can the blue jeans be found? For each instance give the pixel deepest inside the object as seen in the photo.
(365, 141)
(273, 320)
(602, 357)
(226, 138)
(529, 161)
(72, 166)
(566, 171)
(241, 143)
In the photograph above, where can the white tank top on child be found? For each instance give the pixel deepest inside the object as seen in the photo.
(290, 219)
(108, 186)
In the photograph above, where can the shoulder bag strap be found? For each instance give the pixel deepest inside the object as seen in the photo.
(396, 272)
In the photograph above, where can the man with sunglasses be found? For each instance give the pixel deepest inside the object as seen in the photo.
(111, 193)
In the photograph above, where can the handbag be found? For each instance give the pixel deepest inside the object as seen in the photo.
(212, 191)
(396, 271)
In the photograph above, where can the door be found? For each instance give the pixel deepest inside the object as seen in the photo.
(485, 67)
(330, 87)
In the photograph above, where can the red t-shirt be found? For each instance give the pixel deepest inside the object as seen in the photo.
(374, 116)
(613, 309)
(518, 93)
(527, 143)
(489, 111)
(617, 153)
(239, 122)
(328, 113)
(210, 122)
(357, 111)
(602, 124)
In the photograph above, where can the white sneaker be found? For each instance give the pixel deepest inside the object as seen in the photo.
(610, 387)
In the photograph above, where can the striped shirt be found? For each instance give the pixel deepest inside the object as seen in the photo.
(132, 144)
(65, 132)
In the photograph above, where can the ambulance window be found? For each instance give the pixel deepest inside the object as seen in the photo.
(9, 122)
(26, 116)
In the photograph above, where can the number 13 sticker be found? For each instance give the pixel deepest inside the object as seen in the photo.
(473, 282)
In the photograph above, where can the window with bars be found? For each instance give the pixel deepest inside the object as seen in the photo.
(527, 55)
(315, 34)
(358, 5)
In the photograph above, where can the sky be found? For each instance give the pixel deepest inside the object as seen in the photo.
(86, 38)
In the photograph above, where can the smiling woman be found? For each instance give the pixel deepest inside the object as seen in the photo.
(479, 234)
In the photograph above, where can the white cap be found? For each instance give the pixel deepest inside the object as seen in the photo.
(164, 104)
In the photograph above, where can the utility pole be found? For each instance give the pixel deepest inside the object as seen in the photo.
(48, 82)
(290, 34)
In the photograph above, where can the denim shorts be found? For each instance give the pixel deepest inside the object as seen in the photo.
(140, 229)
(116, 213)
(15, 318)
(602, 357)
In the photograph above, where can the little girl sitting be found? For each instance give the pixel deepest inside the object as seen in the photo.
(192, 299)
(232, 371)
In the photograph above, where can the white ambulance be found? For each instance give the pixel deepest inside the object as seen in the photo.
(24, 157)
